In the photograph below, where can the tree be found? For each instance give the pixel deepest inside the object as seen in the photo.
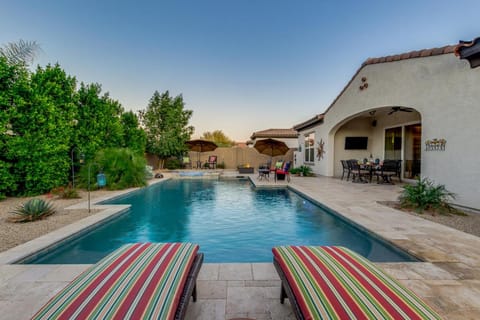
(19, 52)
(166, 125)
(99, 123)
(14, 91)
(43, 126)
(134, 137)
(218, 137)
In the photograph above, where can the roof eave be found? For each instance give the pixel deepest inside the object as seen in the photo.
(310, 123)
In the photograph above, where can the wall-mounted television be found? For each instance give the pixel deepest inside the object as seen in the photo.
(356, 143)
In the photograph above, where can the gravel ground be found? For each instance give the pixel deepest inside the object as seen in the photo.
(13, 234)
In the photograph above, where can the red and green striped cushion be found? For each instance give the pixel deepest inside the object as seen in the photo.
(337, 283)
(137, 281)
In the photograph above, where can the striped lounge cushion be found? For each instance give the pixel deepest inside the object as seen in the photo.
(137, 281)
(337, 283)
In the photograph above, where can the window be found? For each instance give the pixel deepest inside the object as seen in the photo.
(310, 147)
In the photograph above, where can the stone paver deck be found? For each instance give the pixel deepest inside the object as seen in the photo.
(448, 279)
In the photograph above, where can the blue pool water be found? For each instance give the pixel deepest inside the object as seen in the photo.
(230, 220)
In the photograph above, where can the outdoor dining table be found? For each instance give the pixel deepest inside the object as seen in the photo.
(371, 167)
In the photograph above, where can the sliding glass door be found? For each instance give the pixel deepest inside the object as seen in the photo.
(413, 151)
(405, 143)
(393, 143)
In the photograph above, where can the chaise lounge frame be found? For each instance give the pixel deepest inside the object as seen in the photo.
(286, 291)
(190, 288)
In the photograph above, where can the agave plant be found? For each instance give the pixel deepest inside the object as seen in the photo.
(32, 210)
(426, 195)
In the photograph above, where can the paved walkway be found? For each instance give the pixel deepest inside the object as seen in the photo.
(448, 280)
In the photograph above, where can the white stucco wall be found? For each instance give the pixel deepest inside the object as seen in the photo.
(446, 93)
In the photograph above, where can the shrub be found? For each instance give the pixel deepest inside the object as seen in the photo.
(32, 210)
(172, 164)
(425, 195)
(306, 171)
(70, 193)
(65, 193)
(122, 167)
(294, 170)
(221, 165)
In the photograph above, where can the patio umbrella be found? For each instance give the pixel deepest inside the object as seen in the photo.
(271, 147)
(199, 146)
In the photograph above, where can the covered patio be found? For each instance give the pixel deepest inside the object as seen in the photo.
(380, 133)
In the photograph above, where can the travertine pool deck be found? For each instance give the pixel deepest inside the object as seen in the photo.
(448, 279)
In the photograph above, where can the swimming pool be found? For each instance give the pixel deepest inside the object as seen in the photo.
(231, 220)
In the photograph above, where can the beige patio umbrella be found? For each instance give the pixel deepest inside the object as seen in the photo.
(200, 146)
(271, 147)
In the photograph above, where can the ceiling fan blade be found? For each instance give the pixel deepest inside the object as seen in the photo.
(406, 110)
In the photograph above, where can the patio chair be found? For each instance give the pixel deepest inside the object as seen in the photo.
(283, 172)
(345, 169)
(337, 283)
(264, 171)
(386, 171)
(137, 281)
(358, 173)
(212, 162)
(278, 165)
(186, 163)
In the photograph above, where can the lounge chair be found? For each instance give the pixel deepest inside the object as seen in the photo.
(336, 283)
(137, 281)
(283, 172)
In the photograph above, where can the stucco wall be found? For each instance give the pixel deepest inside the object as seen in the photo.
(231, 157)
(445, 91)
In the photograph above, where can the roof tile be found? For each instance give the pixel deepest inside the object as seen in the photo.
(275, 133)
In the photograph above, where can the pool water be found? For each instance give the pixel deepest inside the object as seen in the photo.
(230, 220)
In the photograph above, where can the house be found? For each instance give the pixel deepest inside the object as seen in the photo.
(289, 136)
(421, 107)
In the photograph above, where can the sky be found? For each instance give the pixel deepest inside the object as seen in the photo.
(241, 65)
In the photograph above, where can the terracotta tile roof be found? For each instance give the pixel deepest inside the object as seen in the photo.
(275, 133)
(412, 54)
(309, 123)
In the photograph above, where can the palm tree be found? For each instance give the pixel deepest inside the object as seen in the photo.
(20, 52)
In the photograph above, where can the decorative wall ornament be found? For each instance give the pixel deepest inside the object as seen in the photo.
(435, 145)
(320, 149)
(364, 84)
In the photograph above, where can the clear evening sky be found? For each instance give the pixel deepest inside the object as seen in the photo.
(242, 66)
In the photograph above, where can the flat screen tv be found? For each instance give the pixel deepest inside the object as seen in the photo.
(356, 143)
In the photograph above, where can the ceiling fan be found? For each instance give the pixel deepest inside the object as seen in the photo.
(396, 109)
